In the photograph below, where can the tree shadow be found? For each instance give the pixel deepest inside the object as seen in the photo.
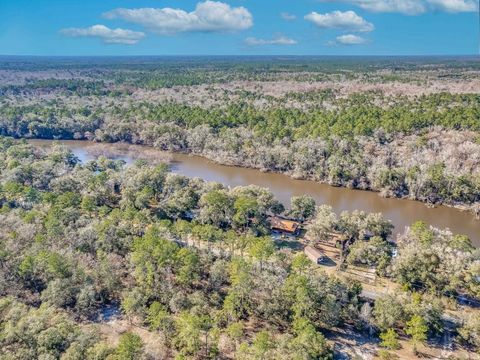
(422, 355)
(289, 243)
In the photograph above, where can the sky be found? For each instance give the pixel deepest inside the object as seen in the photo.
(238, 27)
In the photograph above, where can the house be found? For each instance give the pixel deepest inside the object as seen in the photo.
(284, 225)
(314, 254)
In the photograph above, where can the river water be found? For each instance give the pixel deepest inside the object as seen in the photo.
(401, 212)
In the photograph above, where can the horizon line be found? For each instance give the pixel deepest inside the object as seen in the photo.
(244, 55)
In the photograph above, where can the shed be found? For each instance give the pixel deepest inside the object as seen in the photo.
(314, 254)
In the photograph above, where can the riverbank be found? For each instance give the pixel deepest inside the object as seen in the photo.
(401, 212)
(231, 161)
(471, 208)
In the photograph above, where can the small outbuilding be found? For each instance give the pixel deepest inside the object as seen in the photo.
(284, 225)
(314, 254)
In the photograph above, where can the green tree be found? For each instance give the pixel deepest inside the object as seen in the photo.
(422, 232)
(246, 212)
(387, 312)
(159, 319)
(88, 204)
(189, 330)
(238, 303)
(207, 233)
(235, 332)
(132, 304)
(216, 208)
(130, 347)
(308, 343)
(154, 259)
(302, 207)
(417, 329)
(188, 267)
(262, 249)
(470, 331)
(375, 252)
(100, 351)
(262, 344)
(300, 263)
(323, 224)
(461, 242)
(390, 340)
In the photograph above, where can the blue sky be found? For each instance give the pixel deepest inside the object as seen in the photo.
(236, 27)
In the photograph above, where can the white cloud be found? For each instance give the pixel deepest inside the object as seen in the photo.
(409, 7)
(412, 7)
(454, 6)
(347, 20)
(109, 36)
(287, 16)
(280, 40)
(351, 39)
(208, 16)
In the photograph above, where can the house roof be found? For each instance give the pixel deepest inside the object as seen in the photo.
(283, 224)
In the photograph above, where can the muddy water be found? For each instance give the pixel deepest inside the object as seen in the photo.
(400, 212)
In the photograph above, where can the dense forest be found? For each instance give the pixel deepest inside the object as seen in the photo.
(406, 128)
(195, 272)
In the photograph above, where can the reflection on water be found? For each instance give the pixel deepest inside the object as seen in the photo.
(400, 212)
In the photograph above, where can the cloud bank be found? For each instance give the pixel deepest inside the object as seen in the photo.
(107, 35)
(454, 6)
(412, 7)
(208, 16)
(347, 20)
(351, 39)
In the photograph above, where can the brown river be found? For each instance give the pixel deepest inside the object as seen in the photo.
(401, 212)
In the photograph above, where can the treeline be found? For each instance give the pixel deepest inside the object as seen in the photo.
(69, 86)
(154, 73)
(194, 262)
(358, 115)
(272, 64)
